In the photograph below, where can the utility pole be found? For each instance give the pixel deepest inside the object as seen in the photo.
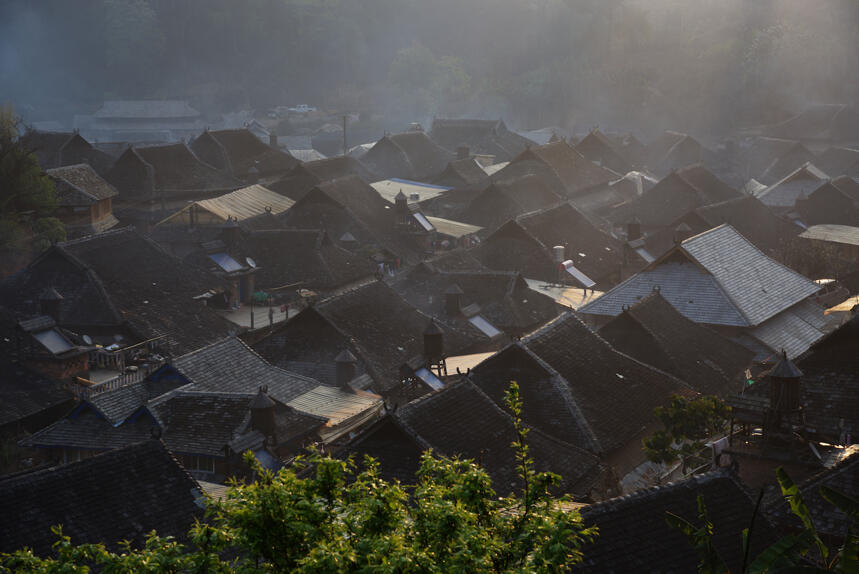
(345, 149)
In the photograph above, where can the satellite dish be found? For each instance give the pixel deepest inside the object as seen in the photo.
(251, 262)
(87, 339)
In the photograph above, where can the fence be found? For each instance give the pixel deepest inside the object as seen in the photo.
(84, 389)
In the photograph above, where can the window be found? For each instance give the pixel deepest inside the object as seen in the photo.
(202, 463)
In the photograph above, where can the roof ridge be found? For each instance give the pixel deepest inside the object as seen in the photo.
(101, 235)
(698, 479)
(565, 390)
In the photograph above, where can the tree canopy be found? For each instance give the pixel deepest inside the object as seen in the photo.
(27, 195)
(329, 515)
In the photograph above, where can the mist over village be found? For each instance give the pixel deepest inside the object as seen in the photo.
(403, 286)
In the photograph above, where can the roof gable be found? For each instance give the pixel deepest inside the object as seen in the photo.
(635, 537)
(616, 394)
(229, 365)
(758, 286)
(80, 184)
(461, 420)
(575, 172)
(123, 494)
(656, 333)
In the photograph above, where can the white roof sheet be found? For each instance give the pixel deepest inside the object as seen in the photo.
(240, 204)
(53, 341)
(335, 404)
(389, 188)
(453, 228)
(490, 169)
(834, 233)
(484, 326)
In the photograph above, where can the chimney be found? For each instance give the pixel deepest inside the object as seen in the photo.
(272, 140)
(785, 386)
(453, 300)
(401, 202)
(232, 231)
(262, 413)
(433, 342)
(51, 303)
(401, 208)
(345, 363)
(463, 152)
(633, 229)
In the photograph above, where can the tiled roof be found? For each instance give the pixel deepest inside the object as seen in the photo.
(480, 136)
(240, 152)
(118, 404)
(599, 149)
(397, 454)
(655, 333)
(635, 537)
(833, 122)
(373, 322)
(462, 420)
(717, 277)
(118, 495)
(752, 219)
(57, 149)
(829, 395)
(230, 366)
(786, 163)
(307, 259)
(828, 520)
(462, 173)
(690, 290)
(592, 251)
(505, 200)
(410, 155)
(796, 329)
(345, 205)
(759, 286)
(512, 248)
(675, 195)
(80, 185)
(673, 150)
(615, 393)
(176, 168)
(561, 162)
(306, 176)
(86, 429)
(831, 203)
(547, 400)
(120, 279)
(800, 182)
(152, 291)
(386, 329)
(838, 160)
(504, 298)
(23, 393)
(764, 151)
(201, 423)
